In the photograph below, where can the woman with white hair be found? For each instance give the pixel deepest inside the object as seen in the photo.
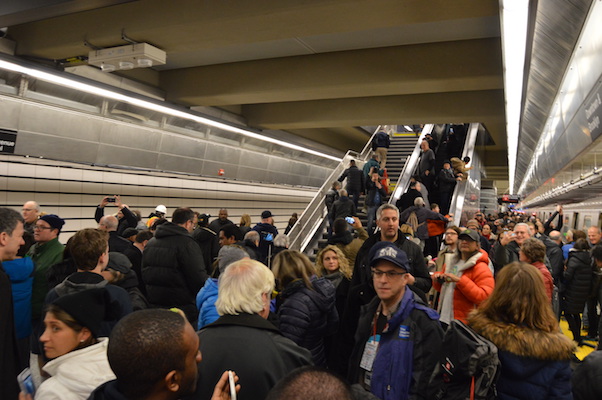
(242, 339)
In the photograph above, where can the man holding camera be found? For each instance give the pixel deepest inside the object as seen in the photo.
(124, 215)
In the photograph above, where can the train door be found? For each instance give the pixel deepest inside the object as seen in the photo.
(599, 220)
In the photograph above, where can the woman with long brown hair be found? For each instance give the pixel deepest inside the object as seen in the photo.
(307, 312)
(519, 320)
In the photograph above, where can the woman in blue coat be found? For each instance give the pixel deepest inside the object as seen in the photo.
(307, 312)
(534, 353)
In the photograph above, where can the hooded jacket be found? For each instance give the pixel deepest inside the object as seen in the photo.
(173, 269)
(76, 374)
(307, 316)
(407, 353)
(535, 364)
(205, 302)
(577, 281)
(475, 285)
(121, 304)
(20, 271)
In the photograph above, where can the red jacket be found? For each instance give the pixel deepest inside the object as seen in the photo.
(548, 281)
(474, 286)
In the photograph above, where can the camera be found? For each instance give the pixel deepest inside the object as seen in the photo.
(111, 199)
(441, 279)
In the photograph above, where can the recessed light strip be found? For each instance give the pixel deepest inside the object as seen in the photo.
(514, 20)
(96, 90)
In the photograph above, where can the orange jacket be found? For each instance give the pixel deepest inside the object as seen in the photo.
(474, 286)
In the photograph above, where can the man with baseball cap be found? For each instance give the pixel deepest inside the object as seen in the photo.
(465, 280)
(267, 233)
(398, 337)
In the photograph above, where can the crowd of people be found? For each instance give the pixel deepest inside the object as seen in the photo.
(113, 313)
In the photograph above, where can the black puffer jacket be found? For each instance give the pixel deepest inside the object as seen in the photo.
(173, 269)
(307, 316)
(577, 281)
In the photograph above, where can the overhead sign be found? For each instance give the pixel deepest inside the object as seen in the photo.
(507, 198)
(8, 140)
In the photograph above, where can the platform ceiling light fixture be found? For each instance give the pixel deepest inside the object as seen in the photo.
(135, 55)
(58, 79)
(514, 20)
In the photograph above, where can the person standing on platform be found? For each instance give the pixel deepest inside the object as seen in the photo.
(172, 265)
(125, 217)
(11, 239)
(267, 232)
(207, 240)
(30, 213)
(398, 337)
(380, 145)
(355, 181)
(45, 253)
(217, 224)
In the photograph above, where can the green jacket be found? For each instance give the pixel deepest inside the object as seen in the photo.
(44, 256)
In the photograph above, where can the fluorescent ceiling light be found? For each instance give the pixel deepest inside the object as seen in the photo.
(89, 88)
(514, 19)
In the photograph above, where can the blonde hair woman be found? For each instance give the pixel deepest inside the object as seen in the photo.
(307, 311)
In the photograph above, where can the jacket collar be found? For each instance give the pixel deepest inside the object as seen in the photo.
(243, 319)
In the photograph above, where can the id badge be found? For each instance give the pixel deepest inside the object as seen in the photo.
(370, 353)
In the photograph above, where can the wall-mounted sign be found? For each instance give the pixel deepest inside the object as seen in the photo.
(8, 140)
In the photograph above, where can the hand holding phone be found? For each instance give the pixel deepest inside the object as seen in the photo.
(26, 382)
(232, 385)
(350, 220)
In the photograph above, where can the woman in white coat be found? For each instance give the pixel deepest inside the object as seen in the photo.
(78, 357)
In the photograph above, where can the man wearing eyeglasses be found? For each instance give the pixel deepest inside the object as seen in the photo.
(46, 252)
(398, 337)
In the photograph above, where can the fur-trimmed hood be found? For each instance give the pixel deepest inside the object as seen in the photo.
(522, 341)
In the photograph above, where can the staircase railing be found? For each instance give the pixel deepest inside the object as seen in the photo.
(312, 219)
(403, 182)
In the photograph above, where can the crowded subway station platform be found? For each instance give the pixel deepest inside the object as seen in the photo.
(349, 199)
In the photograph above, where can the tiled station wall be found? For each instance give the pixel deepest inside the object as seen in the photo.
(74, 190)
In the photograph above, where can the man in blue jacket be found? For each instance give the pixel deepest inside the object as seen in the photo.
(398, 338)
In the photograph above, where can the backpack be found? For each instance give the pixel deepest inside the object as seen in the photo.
(468, 367)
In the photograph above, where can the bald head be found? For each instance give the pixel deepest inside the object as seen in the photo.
(30, 212)
(556, 237)
(594, 235)
(108, 223)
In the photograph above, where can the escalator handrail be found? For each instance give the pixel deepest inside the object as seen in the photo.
(459, 195)
(312, 217)
(403, 182)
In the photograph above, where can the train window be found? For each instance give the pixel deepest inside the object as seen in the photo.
(576, 220)
(587, 221)
(600, 219)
